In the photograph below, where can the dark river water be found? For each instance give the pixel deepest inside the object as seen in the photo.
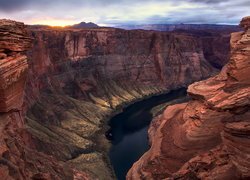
(128, 132)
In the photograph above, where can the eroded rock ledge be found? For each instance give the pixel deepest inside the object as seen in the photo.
(14, 40)
(208, 137)
(18, 157)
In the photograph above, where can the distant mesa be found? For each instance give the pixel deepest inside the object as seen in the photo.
(84, 25)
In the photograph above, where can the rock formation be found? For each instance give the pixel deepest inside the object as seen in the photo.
(208, 137)
(13, 41)
(75, 80)
(18, 158)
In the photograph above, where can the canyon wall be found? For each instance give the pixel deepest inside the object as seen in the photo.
(18, 157)
(208, 137)
(90, 59)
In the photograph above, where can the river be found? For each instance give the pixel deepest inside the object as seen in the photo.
(128, 130)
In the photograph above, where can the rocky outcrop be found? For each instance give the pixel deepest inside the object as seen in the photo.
(208, 137)
(13, 64)
(245, 22)
(18, 158)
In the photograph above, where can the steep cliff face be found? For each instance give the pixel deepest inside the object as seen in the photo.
(87, 63)
(208, 137)
(18, 158)
(84, 58)
(78, 78)
(13, 41)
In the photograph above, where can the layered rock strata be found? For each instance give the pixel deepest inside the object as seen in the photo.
(208, 137)
(13, 41)
(18, 158)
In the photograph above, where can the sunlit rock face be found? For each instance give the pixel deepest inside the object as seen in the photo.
(208, 137)
(14, 41)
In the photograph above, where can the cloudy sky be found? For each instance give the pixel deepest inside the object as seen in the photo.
(112, 12)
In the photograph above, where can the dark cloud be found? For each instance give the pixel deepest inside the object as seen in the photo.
(9, 5)
(12, 5)
(209, 1)
(16, 4)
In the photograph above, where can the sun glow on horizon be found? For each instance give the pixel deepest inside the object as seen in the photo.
(54, 22)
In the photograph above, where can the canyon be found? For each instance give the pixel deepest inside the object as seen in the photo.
(60, 86)
(208, 137)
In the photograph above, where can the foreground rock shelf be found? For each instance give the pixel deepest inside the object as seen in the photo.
(208, 137)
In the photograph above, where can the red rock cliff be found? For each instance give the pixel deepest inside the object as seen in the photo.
(87, 59)
(13, 42)
(208, 137)
(18, 158)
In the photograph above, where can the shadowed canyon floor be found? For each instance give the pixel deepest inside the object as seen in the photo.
(57, 99)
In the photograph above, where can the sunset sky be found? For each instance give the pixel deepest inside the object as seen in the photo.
(112, 12)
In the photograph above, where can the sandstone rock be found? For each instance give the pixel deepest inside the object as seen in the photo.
(13, 36)
(18, 157)
(245, 22)
(13, 66)
(3, 55)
